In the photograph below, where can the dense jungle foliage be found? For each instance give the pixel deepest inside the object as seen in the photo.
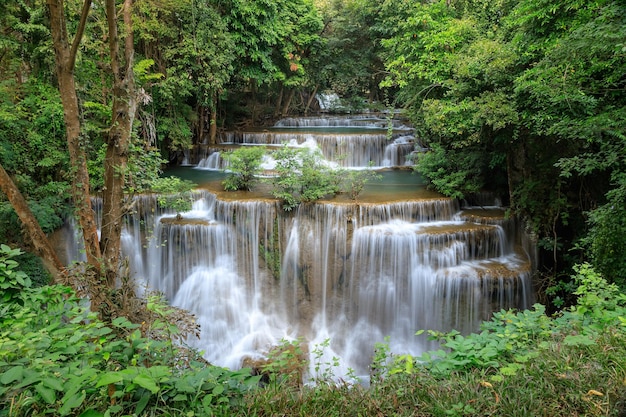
(524, 98)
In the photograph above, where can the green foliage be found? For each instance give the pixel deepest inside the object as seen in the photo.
(144, 164)
(347, 60)
(285, 363)
(58, 358)
(244, 166)
(452, 173)
(597, 298)
(33, 267)
(174, 193)
(606, 236)
(302, 176)
(12, 280)
(353, 181)
(175, 129)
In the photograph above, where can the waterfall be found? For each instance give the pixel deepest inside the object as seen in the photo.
(365, 121)
(212, 162)
(340, 276)
(356, 150)
(328, 101)
(396, 152)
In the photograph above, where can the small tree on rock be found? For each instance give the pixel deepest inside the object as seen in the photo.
(244, 166)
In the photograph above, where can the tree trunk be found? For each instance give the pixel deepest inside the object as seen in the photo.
(213, 120)
(65, 59)
(254, 104)
(37, 237)
(310, 100)
(279, 101)
(285, 110)
(118, 140)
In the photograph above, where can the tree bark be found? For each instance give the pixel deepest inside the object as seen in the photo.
(310, 100)
(118, 140)
(37, 237)
(65, 58)
(213, 120)
(285, 111)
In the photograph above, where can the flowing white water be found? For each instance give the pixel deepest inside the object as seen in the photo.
(342, 277)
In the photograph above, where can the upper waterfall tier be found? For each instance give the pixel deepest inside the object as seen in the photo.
(366, 121)
(351, 142)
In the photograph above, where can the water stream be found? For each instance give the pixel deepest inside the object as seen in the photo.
(340, 275)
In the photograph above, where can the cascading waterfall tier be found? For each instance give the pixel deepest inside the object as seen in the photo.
(349, 142)
(342, 275)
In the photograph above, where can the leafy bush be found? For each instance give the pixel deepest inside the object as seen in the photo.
(12, 280)
(174, 193)
(454, 173)
(244, 165)
(144, 165)
(302, 176)
(353, 181)
(606, 236)
(58, 358)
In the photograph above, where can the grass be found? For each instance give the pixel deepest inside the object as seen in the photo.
(564, 381)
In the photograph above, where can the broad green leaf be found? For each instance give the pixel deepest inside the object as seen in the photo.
(141, 404)
(48, 394)
(91, 413)
(109, 378)
(71, 401)
(53, 383)
(14, 374)
(578, 340)
(146, 382)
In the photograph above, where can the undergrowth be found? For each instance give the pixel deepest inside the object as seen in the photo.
(57, 358)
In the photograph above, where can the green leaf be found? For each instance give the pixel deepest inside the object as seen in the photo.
(578, 340)
(48, 394)
(141, 404)
(218, 389)
(123, 322)
(71, 401)
(14, 374)
(91, 413)
(146, 382)
(109, 378)
(53, 383)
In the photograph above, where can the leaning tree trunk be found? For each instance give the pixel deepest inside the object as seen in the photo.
(118, 140)
(285, 110)
(37, 237)
(310, 100)
(65, 57)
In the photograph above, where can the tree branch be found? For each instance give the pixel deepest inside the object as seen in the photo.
(79, 33)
